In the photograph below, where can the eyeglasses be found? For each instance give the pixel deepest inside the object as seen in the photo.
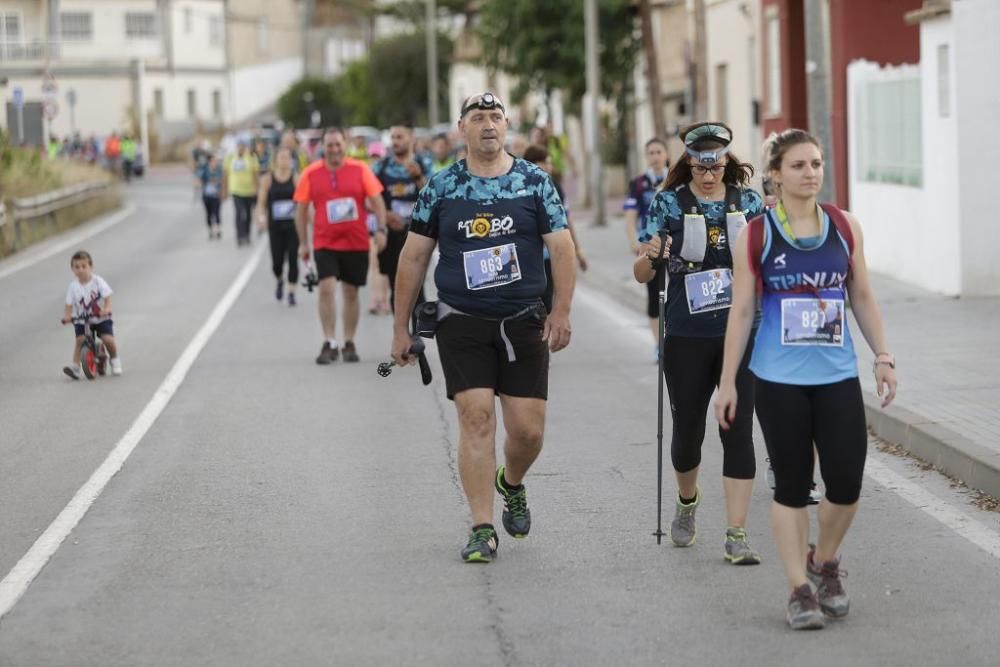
(701, 169)
(484, 101)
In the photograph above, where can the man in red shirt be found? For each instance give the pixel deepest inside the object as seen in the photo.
(339, 190)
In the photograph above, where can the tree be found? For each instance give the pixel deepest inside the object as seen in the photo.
(355, 89)
(297, 104)
(542, 44)
(399, 66)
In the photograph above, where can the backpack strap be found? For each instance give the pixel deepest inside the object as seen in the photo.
(733, 199)
(843, 226)
(755, 247)
(686, 200)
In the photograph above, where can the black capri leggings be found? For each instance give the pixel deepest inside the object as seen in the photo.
(284, 246)
(692, 367)
(793, 418)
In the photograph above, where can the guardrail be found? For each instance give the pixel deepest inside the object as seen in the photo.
(28, 219)
(34, 207)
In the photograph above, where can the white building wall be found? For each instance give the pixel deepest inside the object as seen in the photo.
(109, 40)
(101, 106)
(175, 91)
(195, 48)
(731, 42)
(975, 53)
(31, 15)
(911, 233)
(257, 86)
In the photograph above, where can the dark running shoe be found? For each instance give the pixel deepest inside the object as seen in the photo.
(327, 355)
(826, 577)
(516, 515)
(291, 298)
(482, 546)
(350, 354)
(803, 610)
(279, 290)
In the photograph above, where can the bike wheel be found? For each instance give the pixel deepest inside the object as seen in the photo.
(102, 360)
(88, 359)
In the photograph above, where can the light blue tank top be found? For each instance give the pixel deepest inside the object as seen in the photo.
(803, 337)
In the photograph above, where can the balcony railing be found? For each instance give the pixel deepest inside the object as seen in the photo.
(29, 50)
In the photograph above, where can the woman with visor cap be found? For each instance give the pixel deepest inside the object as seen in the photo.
(703, 205)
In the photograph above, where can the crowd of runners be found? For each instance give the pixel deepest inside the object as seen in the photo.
(749, 291)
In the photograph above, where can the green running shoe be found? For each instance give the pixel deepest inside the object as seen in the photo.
(738, 549)
(682, 529)
(482, 546)
(516, 515)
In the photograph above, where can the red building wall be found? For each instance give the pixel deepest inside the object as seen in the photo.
(873, 30)
(794, 102)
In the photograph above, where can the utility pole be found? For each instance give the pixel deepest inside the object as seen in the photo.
(652, 70)
(432, 64)
(593, 94)
(700, 111)
(818, 91)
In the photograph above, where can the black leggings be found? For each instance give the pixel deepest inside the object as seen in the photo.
(212, 205)
(284, 246)
(244, 210)
(831, 416)
(692, 367)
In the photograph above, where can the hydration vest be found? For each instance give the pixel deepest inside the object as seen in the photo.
(690, 234)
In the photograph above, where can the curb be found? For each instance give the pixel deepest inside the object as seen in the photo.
(939, 446)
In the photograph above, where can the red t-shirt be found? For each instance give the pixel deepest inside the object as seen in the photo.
(338, 197)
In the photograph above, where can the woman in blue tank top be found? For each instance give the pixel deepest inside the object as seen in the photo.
(809, 262)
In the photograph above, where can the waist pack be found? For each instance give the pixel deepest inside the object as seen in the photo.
(427, 316)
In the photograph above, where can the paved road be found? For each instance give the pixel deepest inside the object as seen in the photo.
(282, 513)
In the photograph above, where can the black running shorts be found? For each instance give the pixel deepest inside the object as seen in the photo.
(347, 266)
(508, 357)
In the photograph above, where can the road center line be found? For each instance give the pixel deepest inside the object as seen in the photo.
(14, 585)
(69, 240)
(976, 532)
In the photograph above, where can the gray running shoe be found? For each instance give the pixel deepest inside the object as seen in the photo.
(826, 577)
(803, 610)
(350, 353)
(516, 515)
(682, 530)
(738, 549)
(482, 546)
(327, 355)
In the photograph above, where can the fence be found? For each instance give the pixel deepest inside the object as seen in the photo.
(886, 142)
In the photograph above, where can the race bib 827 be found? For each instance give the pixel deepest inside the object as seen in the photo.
(812, 322)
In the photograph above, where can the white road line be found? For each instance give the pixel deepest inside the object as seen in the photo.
(976, 532)
(64, 242)
(18, 579)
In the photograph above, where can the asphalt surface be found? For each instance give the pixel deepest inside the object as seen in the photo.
(282, 513)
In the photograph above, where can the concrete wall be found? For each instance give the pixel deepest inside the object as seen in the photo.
(976, 53)
(255, 87)
(285, 33)
(32, 18)
(101, 105)
(732, 43)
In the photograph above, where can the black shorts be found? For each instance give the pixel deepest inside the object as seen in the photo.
(347, 266)
(474, 354)
(105, 328)
(388, 259)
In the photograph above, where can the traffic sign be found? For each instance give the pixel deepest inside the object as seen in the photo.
(18, 97)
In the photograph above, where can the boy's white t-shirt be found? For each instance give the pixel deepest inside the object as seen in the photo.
(88, 297)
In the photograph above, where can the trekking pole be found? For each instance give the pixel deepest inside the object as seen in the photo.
(660, 277)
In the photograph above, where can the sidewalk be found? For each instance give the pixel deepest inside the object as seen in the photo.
(946, 410)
